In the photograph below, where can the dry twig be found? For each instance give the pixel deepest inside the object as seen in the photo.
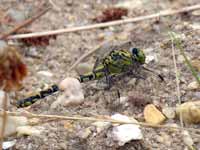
(107, 24)
(23, 24)
(80, 118)
(4, 119)
(177, 77)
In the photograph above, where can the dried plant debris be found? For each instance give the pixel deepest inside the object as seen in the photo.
(12, 68)
(111, 14)
(38, 41)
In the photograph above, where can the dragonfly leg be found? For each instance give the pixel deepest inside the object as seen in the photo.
(108, 78)
(118, 93)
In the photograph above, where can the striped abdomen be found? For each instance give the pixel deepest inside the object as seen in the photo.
(97, 74)
(42, 94)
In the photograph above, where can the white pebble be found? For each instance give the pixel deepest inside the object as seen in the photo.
(85, 133)
(125, 133)
(193, 85)
(151, 58)
(73, 94)
(100, 126)
(8, 144)
(187, 138)
(45, 73)
(28, 130)
(169, 112)
(130, 4)
(120, 117)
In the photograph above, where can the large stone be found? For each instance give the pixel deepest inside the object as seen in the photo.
(153, 115)
(126, 132)
(190, 112)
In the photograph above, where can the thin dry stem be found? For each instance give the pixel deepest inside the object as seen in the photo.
(107, 24)
(23, 24)
(54, 5)
(4, 119)
(80, 118)
(177, 80)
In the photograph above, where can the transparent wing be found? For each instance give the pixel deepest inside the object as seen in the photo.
(106, 48)
(102, 83)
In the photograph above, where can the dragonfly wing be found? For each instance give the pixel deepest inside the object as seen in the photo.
(102, 83)
(106, 48)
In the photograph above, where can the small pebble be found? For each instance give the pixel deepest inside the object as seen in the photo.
(8, 144)
(193, 85)
(84, 68)
(130, 4)
(150, 58)
(123, 118)
(153, 115)
(126, 132)
(72, 95)
(169, 112)
(173, 125)
(132, 82)
(28, 130)
(187, 139)
(196, 13)
(180, 59)
(84, 134)
(100, 126)
(190, 112)
(70, 83)
(45, 73)
(196, 64)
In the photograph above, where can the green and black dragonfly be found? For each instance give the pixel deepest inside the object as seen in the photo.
(117, 61)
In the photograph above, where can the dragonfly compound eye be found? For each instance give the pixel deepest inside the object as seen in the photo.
(134, 51)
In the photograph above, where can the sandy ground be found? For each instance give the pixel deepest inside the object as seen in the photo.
(150, 35)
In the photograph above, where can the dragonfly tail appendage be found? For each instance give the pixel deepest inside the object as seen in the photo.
(32, 99)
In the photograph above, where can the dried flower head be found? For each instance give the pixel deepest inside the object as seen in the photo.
(12, 69)
(36, 41)
(111, 14)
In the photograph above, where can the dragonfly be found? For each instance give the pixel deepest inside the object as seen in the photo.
(119, 60)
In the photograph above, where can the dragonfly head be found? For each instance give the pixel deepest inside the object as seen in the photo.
(138, 55)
